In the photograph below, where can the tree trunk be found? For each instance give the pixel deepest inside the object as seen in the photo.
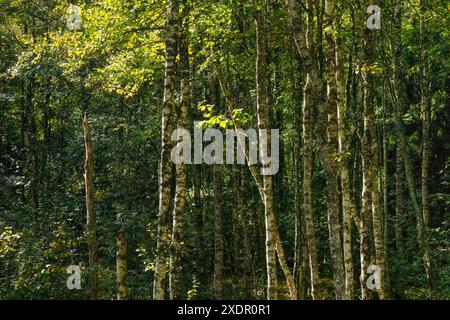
(370, 168)
(380, 253)
(385, 194)
(300, 244)
(348, 203)
(247, 221)
(166, 167)
(177, 241)
(311, 89)
(263, 123)
(273, 241)
(426, 122)
(91, 225)
(327, 137)
(366, 208)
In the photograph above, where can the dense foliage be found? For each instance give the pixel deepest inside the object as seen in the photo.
(112, 68)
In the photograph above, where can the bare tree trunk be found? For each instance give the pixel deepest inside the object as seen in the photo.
(218, 214)
(196, 230)
(364, 228)
(91, 225)
(370, 168)
(247, 222)
(177, 242)
(426, 122)
(385, 177)
(307, 190)
(263, 123)
(327, 137)
(366, 197)
(348, 203)
(166, 167)
(300, 247)
(380, 253)
(386, 219)
(370, 160)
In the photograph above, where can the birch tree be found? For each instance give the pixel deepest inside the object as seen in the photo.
(165, 166)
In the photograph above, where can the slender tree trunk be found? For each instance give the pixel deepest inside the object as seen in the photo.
(196, 230)
(425, 106)
(247, 220)
(273, 241)
(307, 190)
(311, 89)
(263, 123)
(166, 167)
(285, 268)
(385, 177)
(370, 159)
(177, 241)
(426, 146)
(348, 203)
(385, 193)
(366, 197)
(327, 137)
(370, 168)
(218, 209)
(300, 247)
(91, 225)
(380, 253)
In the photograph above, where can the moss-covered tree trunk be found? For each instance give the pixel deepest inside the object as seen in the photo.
(327, 138)
(165, 165)
(177, 241)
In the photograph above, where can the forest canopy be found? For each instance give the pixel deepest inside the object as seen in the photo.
(241, 149)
